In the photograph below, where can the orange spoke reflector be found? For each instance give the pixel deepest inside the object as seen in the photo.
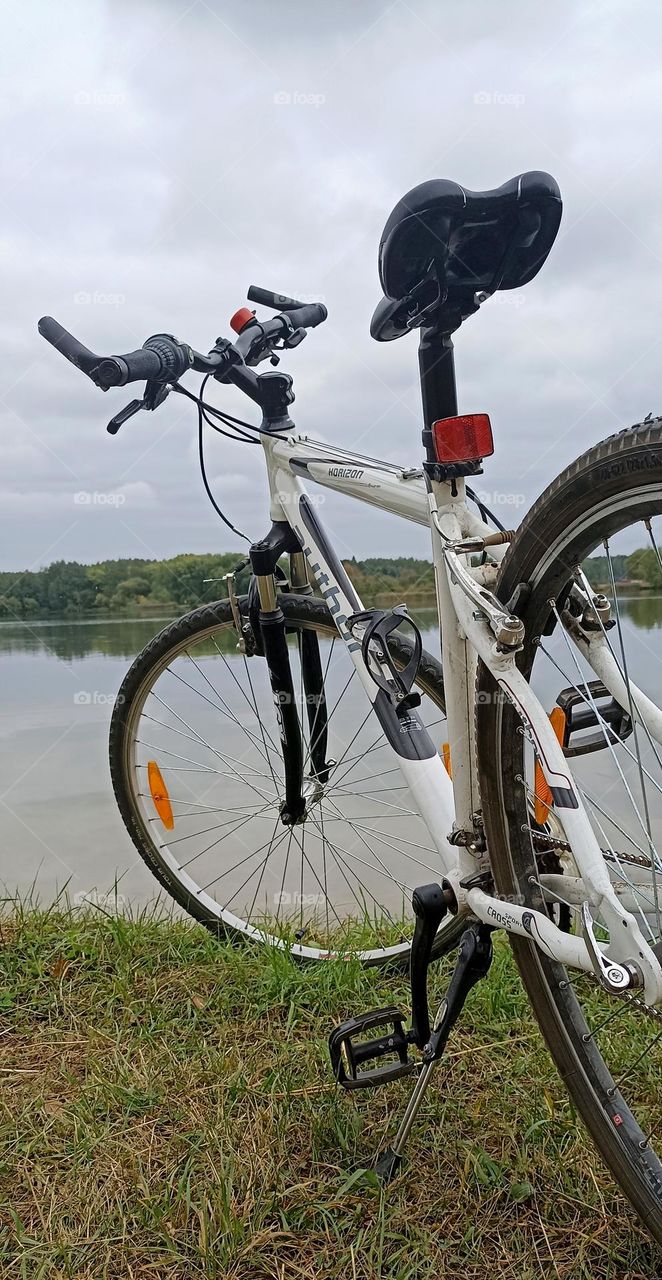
(159, 794)
(543, 796)
(446, 757)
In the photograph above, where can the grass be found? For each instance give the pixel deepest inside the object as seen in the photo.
(167, 1112)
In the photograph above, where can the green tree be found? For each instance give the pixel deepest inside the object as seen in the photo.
(644, 565)
(135, 590)
(182, 580)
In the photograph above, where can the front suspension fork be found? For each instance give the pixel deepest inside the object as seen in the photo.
(313, 678)
(274, 641)
(264, 557)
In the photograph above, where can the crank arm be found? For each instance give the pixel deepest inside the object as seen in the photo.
(473, 961)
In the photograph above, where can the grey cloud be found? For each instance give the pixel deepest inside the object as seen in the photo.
(161, 157)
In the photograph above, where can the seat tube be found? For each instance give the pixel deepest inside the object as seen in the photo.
(459, 668)
(436, 358)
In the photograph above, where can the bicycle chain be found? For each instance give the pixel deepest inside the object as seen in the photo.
(553, 842)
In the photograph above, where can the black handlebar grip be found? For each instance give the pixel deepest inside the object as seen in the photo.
(161, 359)
(277, 301)
(116, 371)
(70, 347)
(308, 317)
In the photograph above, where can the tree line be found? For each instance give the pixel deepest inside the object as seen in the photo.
(641, 567)
(67, 588)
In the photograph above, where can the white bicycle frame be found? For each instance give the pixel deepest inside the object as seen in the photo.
(469, 618)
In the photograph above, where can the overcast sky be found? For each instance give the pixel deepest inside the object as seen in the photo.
(160, 157)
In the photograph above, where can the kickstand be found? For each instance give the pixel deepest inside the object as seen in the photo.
(473, 961)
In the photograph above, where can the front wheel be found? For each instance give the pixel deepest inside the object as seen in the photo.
(600, 521)
(197, 770)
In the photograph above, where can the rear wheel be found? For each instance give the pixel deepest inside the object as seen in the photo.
(608, 1049)
(198, 776)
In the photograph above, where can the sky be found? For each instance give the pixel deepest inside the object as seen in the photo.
(160, 157)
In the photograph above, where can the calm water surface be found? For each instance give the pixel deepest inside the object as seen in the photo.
(58, 823)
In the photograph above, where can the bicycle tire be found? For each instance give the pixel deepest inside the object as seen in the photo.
(299, 611)
(625, 469)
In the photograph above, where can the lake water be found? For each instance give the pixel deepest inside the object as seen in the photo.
(59, 825)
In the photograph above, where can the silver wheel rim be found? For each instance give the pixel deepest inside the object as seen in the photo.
(413, 852)
(632, 1070)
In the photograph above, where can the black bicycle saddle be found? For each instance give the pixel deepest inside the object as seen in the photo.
(443, 245)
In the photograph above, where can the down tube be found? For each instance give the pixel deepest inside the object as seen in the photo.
(412, 747)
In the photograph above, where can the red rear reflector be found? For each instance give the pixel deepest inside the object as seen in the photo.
(241, 318)
(465, 438)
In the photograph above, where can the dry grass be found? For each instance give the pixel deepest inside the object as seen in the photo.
(167, 1112)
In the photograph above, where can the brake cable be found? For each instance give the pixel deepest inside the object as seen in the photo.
(205, 481)
(238, 428)
(485, 512)
(204, 409)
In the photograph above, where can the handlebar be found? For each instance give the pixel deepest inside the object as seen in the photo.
(70, 347)
(302, 315)
(160, 359)
(277, 301)
(163, 359)
(309, 316)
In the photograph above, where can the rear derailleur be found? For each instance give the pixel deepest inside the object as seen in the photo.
(355, 1059)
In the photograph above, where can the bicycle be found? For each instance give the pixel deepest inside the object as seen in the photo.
(499, 807)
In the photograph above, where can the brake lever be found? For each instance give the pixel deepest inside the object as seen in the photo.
(260, 347)
(294, 338)
(155, 394)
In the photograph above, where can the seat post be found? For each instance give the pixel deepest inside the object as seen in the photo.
(436, 361)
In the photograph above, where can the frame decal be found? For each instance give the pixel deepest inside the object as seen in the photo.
(329, 590)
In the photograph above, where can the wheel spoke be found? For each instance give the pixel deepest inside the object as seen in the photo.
(224, 709)
(593, 535)
(334, 869)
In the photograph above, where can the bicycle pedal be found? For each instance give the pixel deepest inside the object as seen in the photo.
(349, 1051)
